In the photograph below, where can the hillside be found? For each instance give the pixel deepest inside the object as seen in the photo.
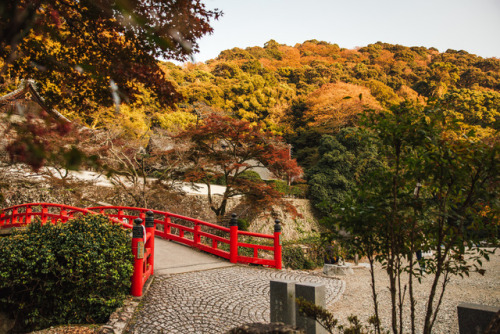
(317, 88)
(303, 93)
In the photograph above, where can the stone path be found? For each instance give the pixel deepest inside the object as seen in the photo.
(214, 301)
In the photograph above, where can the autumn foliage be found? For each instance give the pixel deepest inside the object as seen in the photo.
(334, 106)
(225, 148)
(84, 54)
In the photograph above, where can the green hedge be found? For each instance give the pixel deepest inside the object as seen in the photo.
(77, 272)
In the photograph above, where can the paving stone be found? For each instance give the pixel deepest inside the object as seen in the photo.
(214, 301)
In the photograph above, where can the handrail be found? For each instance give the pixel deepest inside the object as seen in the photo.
(211, 243)
(17, 218)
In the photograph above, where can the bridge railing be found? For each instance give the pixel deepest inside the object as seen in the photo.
(211, 238)
(225, 242)
(20, 215)
(142, 241)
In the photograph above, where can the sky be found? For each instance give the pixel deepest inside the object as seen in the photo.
(470, 25)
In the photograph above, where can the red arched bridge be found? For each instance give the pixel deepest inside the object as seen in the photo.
(229, 243)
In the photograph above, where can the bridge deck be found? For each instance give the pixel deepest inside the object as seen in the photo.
(174, 258)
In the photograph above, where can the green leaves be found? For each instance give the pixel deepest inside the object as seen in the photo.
(77, 272)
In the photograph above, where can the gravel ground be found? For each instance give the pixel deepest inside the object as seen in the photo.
(473, 289)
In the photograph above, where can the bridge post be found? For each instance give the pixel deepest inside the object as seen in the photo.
(45, 210)
(64, 215)
(166, 226)
(28, 214)
(196, 234)
(15, 218)
(138, 251)
(150, 228)
(277, 244)
(233, 239)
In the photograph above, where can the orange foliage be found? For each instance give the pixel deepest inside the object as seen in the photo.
(336, 105)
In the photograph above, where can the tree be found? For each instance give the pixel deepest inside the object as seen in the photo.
(77, 51)
(334, 106)
(435, 191)
(476, 108)
(89, 55)
(225, 148)
(343, 161)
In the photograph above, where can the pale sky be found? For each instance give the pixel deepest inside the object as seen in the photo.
(470, 25)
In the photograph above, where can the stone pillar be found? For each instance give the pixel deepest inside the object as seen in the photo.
(283, 302)
(475, 318)
(313, 293)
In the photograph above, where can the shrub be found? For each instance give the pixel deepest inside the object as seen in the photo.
(293, 257)
(243, 224)
(251, 175)
(77, 272)
(279, 185)
(296, 191)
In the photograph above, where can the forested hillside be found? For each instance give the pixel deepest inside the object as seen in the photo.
(303, 92)
(317, 88)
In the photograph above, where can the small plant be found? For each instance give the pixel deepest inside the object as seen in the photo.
(330, 323)
(77, 272)
(243, 224)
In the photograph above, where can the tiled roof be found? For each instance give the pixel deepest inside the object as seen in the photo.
(28, 86)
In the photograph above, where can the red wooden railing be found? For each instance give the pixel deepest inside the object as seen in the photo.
(211, 238)
(205, 236)
(23, 214)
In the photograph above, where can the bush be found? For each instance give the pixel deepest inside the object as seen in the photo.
(293, 257)
(279, 185)
(295, 191)
(251, 175)
(77, 272)
(243, 224)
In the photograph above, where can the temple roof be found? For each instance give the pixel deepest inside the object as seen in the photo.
(28, 92)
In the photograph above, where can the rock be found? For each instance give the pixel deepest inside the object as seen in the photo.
(337, 270)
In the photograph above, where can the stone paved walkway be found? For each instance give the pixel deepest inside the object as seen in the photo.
(214, 301)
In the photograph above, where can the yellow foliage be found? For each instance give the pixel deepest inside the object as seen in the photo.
(383, 93)
(133, 121)
(176, 121)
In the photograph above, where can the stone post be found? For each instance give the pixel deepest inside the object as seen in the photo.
(313, 293)
(283, 302)
(475, 318)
